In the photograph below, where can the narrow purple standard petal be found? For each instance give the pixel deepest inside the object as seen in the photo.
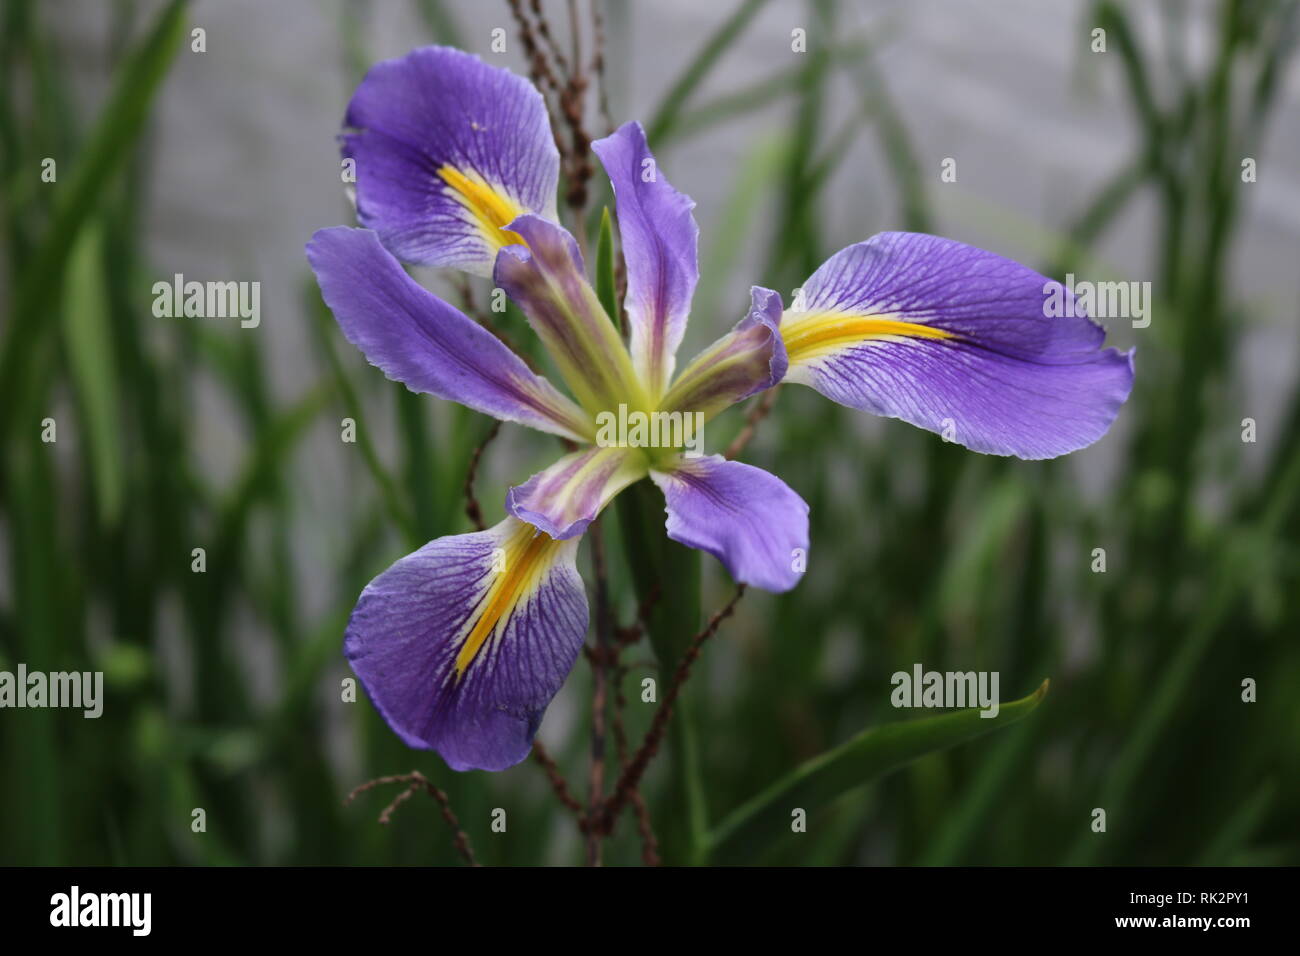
(747, 518)
(417, 339)
(748, 359)
(547, 279)
(659, 237)
(958, 341)
(462, 645)
(565, 498)
(448, 151)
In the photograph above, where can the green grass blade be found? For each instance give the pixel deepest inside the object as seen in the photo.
(666, 116)
(1161, 704)
(606, 284)
(114, 134)
(868, 756)
(761, 93)
(1239, 827)
(325, 330)
(725, 241)
(90, 357)
(440, 22)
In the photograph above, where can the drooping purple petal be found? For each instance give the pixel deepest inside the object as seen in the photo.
(747, 518)
(448, 150)
(417, 339)
(748, 359)
(659, 237)
(958, 341)
(462, 645)
(566, 497)
(547, 280)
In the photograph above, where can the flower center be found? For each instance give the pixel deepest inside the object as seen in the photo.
(526, 556)
(809, 336)
(492, 210)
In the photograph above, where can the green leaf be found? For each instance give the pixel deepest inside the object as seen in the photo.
(94, 377)
(324, 328)
(440, 22)
(861, 760)
(762, 93)
(606, 283)
(719, 42)
(1237, 830)
(666, 574)
(666, 577)
(273, 448)
(113, 136)
(758, 175)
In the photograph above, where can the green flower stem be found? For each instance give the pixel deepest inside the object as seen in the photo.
(666, 577)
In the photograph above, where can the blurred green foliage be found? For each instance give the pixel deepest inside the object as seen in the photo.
(925, 553)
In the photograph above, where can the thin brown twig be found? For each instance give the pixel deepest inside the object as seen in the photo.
(756, 415)
(573, 103)
(628, 635)
(620, 703)
(567, 79)
(416, 781)
(540, 69)
(386, 814)
(598, 64)
(575, 33)
(469, 301)
(544, 29)
(600, 669)
(631, 776)
(649, 845)
(471, 503)
(543, 77)
(558, 783)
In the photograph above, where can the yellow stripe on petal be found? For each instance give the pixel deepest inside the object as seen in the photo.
(492, 209)
(813, 335)
(525, 557)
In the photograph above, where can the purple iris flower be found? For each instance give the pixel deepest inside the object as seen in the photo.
(463, 644)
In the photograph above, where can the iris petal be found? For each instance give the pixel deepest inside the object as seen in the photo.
(566, 497)
(748, 359)
(958, 341)
(418, 339)
(548, 281)
(747, 518)
(463, 644)
(448, 150)
(660, 240)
